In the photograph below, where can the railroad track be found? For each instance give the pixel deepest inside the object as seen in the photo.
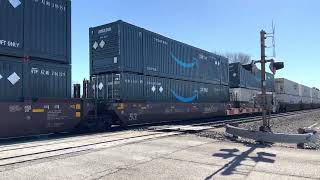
(196, 127)
(20, 154)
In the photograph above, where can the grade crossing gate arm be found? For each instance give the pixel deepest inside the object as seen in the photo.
(271, 137)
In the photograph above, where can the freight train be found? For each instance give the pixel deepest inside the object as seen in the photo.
(136, 77)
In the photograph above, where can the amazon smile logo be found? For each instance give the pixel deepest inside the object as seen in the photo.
(186, 99)
(182, 63)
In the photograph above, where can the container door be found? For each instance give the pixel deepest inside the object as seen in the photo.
(104, 49)
(11, 27)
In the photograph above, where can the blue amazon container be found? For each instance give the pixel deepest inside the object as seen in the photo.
(168, 58)
(122, 47)
(130, 87)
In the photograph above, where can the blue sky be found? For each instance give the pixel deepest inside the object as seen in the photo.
(214, 25)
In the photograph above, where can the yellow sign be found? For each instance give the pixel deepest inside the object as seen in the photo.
(38, 110)
(78, 106)
(78, 114)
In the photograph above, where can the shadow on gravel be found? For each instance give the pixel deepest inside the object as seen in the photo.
(238, 157)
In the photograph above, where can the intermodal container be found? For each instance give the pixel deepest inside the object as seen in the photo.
(304, 91)
(128, 87)
(285, 86)
(122, 47)
(165, 57)
(36, 28)
(116, 47)
(242, 78)
(34, 79)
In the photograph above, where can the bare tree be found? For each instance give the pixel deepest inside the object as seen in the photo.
(238, 57)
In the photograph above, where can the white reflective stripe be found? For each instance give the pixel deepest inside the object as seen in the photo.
(0, 76)
(13, 78)
(15, 3)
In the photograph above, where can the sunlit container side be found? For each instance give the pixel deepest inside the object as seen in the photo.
(133, 87)
(118, 87)
(304, 91)
(116, 47)
(47, 80)
(36, 29)
(285, 86)
(165, 57)
(315, 95)
(243, 95)
(27, 80)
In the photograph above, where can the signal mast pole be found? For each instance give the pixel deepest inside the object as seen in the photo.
(266, 125)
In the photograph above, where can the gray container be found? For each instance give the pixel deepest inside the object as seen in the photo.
(27, 80)
(242, 78)
(305, 91)
(126, 87)
(116, 47)
(36, 29)
(285, 86)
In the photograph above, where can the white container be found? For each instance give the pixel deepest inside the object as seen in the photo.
(285, 86)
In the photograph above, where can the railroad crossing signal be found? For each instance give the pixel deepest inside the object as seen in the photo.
(274, 66)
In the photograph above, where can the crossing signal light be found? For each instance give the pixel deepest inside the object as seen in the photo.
(274, 66)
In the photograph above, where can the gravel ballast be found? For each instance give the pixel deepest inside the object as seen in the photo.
(286, 124)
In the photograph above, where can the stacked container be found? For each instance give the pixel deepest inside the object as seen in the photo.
(129, 63)
(35, 49)
(246, 85)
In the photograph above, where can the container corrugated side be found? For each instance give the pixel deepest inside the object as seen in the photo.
(11, 29)
(116, 47)
(37, 29)
(241, 78)
(24, 80)
(11, 82)
(47, 80)
(165, 57)
(285, 86)
(133, 87)
(118, 87)
(48, 30)
(243, 94)
(304, 91)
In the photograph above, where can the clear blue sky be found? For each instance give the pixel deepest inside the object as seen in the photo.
(213, 25)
